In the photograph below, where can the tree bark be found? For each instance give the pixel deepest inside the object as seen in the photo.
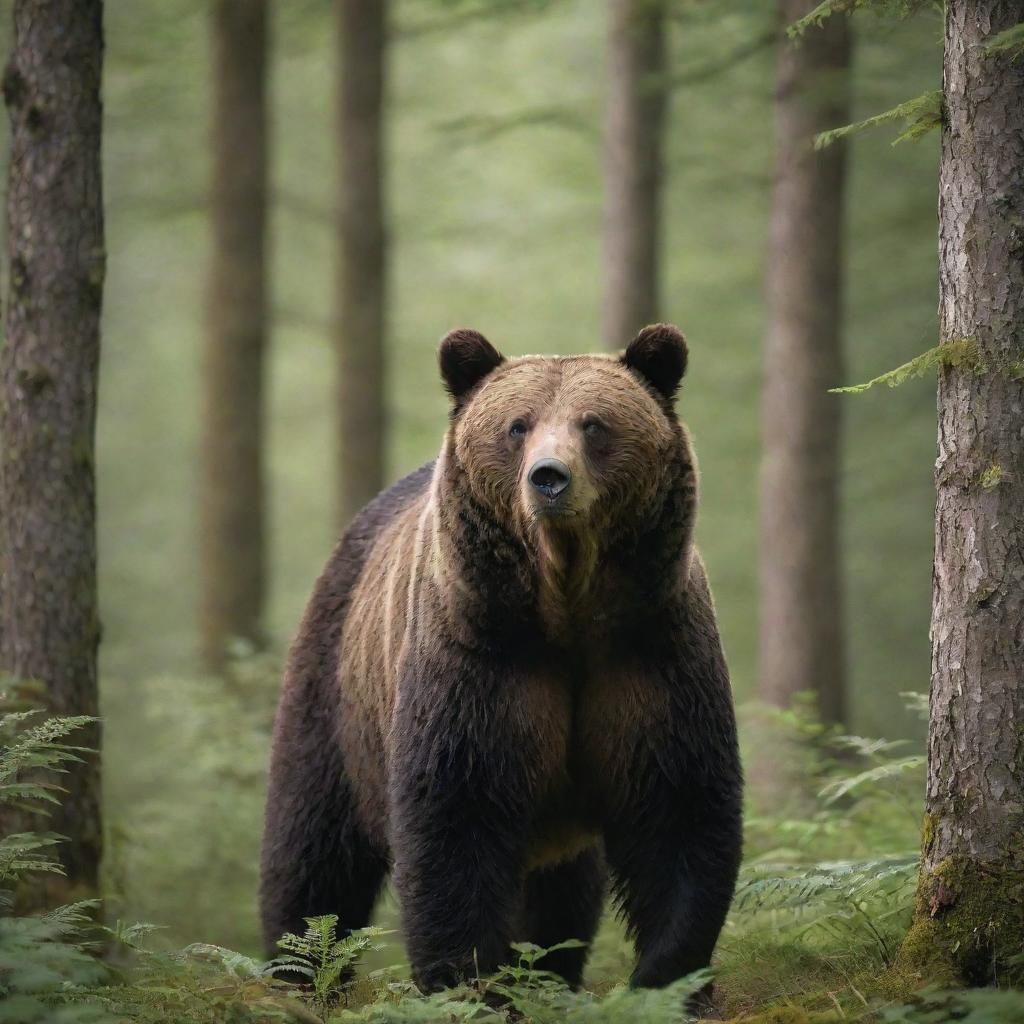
(970, 913)
(362, 253)
(801, 629)
(633, 167)
(232, 497)
(48, 376)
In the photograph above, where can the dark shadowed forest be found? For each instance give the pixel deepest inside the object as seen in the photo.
(235, 232)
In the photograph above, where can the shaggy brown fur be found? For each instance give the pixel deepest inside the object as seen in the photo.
(497, 688)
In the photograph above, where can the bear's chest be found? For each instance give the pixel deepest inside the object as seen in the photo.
(590, 729)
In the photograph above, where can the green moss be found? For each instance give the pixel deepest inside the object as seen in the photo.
(927, 831)
(968, 926)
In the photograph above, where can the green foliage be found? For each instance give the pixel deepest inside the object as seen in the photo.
(524, 994)
(803, 921)
(836, 869)
(1010, 41)
(200, 984)
(32, 748)
(203, 843)
(961, 352)
(979, 1006)
(887, 8)
(839, 788)
(845, 798)
(44, 957)
(919, 116)
(544, 998)
(21, 853)
(50, 970)
(325, 958)
(860, 903)
(27, 747)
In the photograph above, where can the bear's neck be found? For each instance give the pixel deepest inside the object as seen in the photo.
(566, 567)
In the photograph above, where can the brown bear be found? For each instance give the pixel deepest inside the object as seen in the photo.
(509, 684)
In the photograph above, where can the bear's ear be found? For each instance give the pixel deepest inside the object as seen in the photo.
(659, 354)
(466, 357)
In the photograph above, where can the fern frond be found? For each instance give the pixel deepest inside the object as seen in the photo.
(323, 957)
(22, 852)
(869, 747)
(839, 788)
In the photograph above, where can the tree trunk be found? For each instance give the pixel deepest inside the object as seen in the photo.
(633, 167)
(801, 632)
(361, 271)
(970, 913)
(231, 498)
(48, 376)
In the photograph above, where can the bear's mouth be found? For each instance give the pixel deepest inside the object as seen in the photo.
(555, 512)
(553, 509)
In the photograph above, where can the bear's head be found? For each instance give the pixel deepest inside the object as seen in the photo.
(556, 447)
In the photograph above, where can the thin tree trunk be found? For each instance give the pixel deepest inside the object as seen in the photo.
(970, 912)
(48, 376)
(362, 253)
(801, 632)
(633, 167)
(232, 531)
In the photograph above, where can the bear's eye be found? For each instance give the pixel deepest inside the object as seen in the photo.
(592, 426)
(518, 429)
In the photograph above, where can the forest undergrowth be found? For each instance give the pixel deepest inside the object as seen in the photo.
(824, 899)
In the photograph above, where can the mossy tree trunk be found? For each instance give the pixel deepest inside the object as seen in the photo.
(801, 628)
(231, 501)
(362, 253)
(970, 912)
(634, 142)
(48, 380)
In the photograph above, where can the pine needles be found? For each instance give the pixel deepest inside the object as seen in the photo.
(1010, 42)
(960, 352)
(919, 116)
(816, 17)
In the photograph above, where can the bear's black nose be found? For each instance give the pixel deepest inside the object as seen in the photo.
(550, 477)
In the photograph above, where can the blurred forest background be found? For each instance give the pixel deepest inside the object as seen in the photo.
(494, 190)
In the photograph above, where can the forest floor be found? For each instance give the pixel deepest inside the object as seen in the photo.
(824, 900)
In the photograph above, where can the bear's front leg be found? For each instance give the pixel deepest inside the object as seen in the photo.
(460, 798)
(675, 880)
(674, 843)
